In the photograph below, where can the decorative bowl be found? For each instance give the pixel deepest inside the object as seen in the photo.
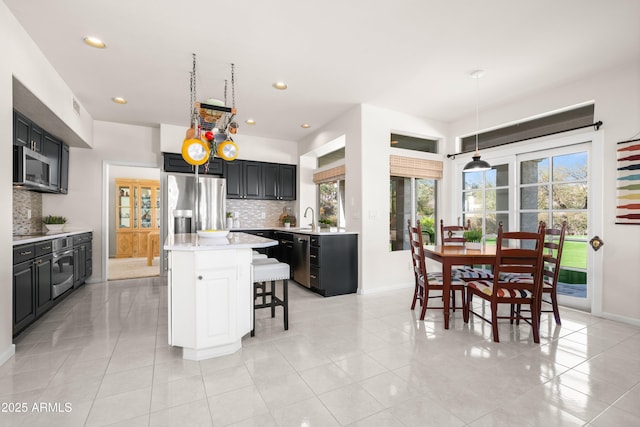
(217, 234)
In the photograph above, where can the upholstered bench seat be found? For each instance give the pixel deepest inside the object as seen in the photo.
(269, 270)
(471, 273)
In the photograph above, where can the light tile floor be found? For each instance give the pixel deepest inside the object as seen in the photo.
(348, 360)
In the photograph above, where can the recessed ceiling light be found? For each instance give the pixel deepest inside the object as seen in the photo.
(305, 126)
(119, 100)
(280, 85)
(250, 122)
(94, 42)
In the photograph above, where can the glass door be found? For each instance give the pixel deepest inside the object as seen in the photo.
(145, 207)
(125, 206)
(554, 187)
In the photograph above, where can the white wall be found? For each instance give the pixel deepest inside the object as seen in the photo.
(367, 130)
(249, 147)
(86, 203)
(616, 94)
(22, 59)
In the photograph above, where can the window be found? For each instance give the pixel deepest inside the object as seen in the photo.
(485, 199)
(331, 203)
(409, 196)
(413, 143)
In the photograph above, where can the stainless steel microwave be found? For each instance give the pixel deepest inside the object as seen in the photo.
(31, 169)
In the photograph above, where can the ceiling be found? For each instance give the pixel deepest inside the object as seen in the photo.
(413, 56)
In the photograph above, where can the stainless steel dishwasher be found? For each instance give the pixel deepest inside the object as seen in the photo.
(301, 259)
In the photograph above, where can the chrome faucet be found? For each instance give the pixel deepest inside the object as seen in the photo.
(313, 224)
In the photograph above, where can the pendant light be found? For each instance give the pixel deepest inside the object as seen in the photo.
(477, 165)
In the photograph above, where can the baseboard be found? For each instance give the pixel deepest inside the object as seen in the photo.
(395, 287)
(7, 354)
(618, 318)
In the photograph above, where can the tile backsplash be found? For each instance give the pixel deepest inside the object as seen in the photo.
(23, 201)
(250, 212)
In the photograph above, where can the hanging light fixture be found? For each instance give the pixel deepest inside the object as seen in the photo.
(477, 165)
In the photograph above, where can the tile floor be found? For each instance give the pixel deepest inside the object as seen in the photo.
(345, 361)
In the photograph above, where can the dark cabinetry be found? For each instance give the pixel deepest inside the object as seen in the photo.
(82, 258)
(244, 179)
(28, 134)
(175, 163)
(279, 181)
(32, 283)
(284, 250)
(334, 264)
(258, 180)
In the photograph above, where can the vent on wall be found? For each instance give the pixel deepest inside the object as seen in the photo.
(76, 106)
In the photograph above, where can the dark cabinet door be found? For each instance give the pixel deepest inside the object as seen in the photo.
(252, 180)
(270, 181)
(52, 149)
(233, 174)
(175, 163)
(43, 276)
(36, 136)
(287, 182)
(21, 129)
(23, 296)
(79, 265)
(64, 169)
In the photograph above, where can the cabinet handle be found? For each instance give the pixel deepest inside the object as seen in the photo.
(199, 277)
(312, 256)
(46, 247)
(313, 276)
(25, 253)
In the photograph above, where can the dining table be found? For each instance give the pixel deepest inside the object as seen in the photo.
(448, 256)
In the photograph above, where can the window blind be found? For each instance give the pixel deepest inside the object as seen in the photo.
(410, 167)
(328, 175)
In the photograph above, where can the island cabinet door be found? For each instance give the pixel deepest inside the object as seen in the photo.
(222, 298)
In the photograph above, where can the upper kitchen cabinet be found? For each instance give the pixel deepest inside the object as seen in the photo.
(28, 134)
(174, 162)
(244, 179)
(52, 149)
(279, 181)
(258, 180)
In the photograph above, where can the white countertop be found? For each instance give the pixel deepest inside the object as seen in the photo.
(23, 239)
(235, 240)
(300, 230)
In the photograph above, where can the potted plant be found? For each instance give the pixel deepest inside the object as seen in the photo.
(324, 223)
(473, 238)
(286, 222)
(54, 222)
(229, 220)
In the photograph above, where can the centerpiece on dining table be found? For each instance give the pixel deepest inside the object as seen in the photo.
(473, 238)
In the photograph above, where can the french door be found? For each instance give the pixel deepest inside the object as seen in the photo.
(554, 186)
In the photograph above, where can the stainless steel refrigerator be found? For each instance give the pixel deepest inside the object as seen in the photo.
(206, 203)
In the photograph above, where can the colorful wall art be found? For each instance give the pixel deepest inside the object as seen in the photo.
(628, 182)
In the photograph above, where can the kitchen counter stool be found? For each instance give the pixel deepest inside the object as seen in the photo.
(270, 270)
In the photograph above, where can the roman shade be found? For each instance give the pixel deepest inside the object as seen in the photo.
(411, 167)
(333, 174)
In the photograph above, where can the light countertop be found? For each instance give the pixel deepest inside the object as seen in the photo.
(235, 240)
(300, 230)
(33, 238)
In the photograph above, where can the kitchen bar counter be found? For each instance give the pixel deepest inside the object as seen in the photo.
(210, 291)
(234, 240)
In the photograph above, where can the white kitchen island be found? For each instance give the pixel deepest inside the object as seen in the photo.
(210, 291)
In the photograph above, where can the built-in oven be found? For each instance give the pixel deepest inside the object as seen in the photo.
(62, 279)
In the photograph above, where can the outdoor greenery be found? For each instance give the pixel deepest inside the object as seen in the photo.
(328, 203)
(473, 235)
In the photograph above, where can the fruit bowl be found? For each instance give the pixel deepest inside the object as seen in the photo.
(213, 233)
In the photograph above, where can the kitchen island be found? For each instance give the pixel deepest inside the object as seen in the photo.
(210, 292)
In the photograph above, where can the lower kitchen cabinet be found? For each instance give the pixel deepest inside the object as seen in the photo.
(33, 277)
(271, 251)
(333, 264)
(24, 310)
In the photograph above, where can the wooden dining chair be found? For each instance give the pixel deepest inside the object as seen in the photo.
(552, 255)
(452, 235)
(425, 282)
(512, 260)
